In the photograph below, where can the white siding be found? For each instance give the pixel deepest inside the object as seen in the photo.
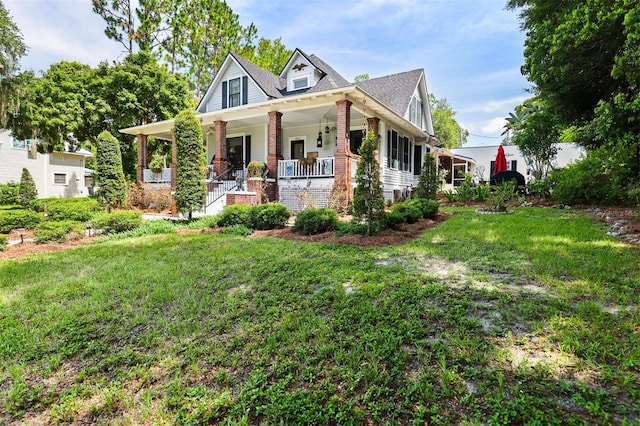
(259, 141)
(310, 134)
(42, 168)
(234, 71)
(309, 71)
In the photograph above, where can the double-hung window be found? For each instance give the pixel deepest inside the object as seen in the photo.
(235, 92)
(415, 111)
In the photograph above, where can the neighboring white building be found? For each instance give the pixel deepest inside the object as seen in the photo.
(484, 157)
(59, 174)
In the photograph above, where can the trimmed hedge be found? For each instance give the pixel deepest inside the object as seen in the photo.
(316, 221)
(269, 216)
(59, 231)
(411, 213)
(236, 214)
(113, 223)
(428, 208)
(74, 210)
(4, 242)
(11, 219)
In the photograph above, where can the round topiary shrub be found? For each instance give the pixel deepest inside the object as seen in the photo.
(12, 219)
(411, 213)
(236, 214)
(316, 221)
(58, 232)
(429, 208)
(393, 219)
(113, 223)
(270, 216)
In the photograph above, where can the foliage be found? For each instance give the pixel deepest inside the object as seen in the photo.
(148, 227)
(156, 163)
(537, 138)
(595, 179)
(115, 222)
(428, 208)
(191, 192)
(361, 77)
(393, 218)
(540, 187)
(146, 196)
(445, 126)
(467, 189)
(271, 55)
(239, 229)
(256, 168)
(236, 214)
(478, 320)
(368, 197)
(4, 242)
(76, 209)
(9, 193)
(316, 221)
(269, 216)
(109, 176)
(502, 194)
(428, 183)
(410, 212)
(58, 232)
(42, 205)
(12, 219)
(204, 222)
(119, 17)
(352, 227)
(452, 196)
(12, 48)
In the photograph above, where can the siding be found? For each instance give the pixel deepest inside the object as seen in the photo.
(234, 71)
(309, 71)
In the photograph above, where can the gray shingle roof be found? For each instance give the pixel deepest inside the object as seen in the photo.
(269, 83)
(393, 90)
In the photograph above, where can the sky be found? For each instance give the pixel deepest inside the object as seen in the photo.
(471, 50)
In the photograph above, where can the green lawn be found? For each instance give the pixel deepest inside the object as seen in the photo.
(528, 318)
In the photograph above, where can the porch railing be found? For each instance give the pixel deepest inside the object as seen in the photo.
(317, 167)
(160, 177)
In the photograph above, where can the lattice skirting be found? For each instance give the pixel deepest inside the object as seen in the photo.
(300, 198)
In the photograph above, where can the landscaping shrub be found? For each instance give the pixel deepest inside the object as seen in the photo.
(116, 222)
(148, 227)
(9, 193)
(240, 230)
(4, 242)
(428, 208)
(467, 189)
(270, 216)
(409, 212)
(11, 219)
(27, 191)
(315, 221)
(58, 232)
(393, 219)
(483, 192)
(70, 209)
(236, 214)
(143, 196)
(353, 227)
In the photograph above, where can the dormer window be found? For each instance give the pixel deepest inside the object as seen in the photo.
(235, 92)
(300, 83)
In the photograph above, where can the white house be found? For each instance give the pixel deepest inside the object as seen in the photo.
(484, 156)
(59, 174)
(306, 124)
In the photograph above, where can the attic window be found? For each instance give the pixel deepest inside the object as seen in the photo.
(415, 112)
(300, 83)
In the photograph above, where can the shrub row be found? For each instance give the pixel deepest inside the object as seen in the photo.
(262, 216)
(59, 231)
(77, 211)
(116, 222)
(12, 219)
(4, 242)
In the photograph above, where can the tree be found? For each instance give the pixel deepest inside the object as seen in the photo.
(191, 163)
(109, 176)
(428, 180)
(27, 191)
(361, 77)
(537, 137)
(12, 48)
(272, 55)
(445, 126)
(368, 197)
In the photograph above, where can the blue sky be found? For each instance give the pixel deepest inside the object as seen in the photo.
(471, 50)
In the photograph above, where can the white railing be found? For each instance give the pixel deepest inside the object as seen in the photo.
(318, 167)
(160, 177)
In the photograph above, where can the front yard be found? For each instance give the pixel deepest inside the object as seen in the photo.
(527, 318)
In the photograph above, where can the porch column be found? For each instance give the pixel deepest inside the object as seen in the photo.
(220, 162)
(174, 161)
(274, 152)
(342, 179)
(142, 157)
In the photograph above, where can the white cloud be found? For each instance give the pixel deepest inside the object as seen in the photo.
(495, 125)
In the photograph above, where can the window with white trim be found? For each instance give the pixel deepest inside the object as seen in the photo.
(415, 111)
(60, 178)
(234, 92)
(399, 151)
(20, 144)
(300, 83)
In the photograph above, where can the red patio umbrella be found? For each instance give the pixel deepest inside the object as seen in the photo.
(500, 165)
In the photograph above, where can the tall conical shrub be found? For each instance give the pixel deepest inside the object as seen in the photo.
(191, 191)
(368, 197)
(112, 190)
(27, 191)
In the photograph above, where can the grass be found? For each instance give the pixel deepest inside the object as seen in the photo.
(528, 318)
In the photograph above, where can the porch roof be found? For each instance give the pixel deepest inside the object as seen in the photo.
(442, 152)
(306, 108)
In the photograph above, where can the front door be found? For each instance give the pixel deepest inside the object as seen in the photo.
(297, 149)
(235, 153)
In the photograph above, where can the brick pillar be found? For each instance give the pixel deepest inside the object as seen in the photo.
(274, 152)
(220, 163)
(142, 157)
(174, 162)
(342, 179)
